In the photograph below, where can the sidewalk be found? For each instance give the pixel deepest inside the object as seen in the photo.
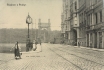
(8, 62)
(94, 49)
(83, 47)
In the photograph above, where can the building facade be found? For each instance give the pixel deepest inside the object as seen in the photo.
(70, 21)
(65, 23)
(82, 22)
(74, 22)
(95, 23)
(86, 23)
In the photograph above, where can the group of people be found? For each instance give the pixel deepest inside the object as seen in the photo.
(17, 49)
(36, 44)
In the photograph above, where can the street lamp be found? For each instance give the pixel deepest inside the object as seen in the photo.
(28, 21)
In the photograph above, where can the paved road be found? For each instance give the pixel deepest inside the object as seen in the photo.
(55, 57)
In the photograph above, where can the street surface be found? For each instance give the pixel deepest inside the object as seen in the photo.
(55, 57)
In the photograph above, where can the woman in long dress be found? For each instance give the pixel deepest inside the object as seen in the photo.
(17, 51)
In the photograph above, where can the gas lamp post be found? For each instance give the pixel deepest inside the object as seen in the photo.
(28, 21)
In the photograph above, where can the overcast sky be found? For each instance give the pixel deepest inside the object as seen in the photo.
(15, 16)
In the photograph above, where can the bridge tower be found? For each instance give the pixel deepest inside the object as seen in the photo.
(44, 30)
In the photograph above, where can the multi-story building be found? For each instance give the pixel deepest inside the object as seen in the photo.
(95, 23)
(86, 24)
(70, 21)
(74, 22)
(62, 21)
(65, 24)
(82, 22)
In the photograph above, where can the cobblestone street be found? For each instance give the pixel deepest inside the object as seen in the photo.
(55, 57)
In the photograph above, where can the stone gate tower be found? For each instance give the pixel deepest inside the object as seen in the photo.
(44, 30)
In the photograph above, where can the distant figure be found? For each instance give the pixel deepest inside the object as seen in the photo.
(40, 42)
(78, 44)
(40, 46)
(17, 50)
(36, 44)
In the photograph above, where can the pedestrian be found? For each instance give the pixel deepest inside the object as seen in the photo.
(40, 42)
(17, 51)
(40, 46)
(78, 44)
(36, 44)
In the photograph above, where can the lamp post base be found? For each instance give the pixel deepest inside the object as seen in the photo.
(29, 45)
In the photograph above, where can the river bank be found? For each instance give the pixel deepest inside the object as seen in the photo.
(6, 47)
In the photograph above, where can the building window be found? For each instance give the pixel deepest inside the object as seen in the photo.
(100, 16)
(91, 19)
(91, 38)
(85, 24)
(75, 6)
(100, 37)
(88, 19)
(81, 32)
(96, 18)
(84, 15)
(82, 18)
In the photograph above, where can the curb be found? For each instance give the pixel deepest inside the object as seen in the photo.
(94, 49)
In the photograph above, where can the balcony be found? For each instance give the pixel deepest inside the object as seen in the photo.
(95, 27)
(98, 25)
(89, 27)
(90, 8)
(74, 26)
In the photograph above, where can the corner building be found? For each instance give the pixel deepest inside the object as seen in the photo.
(86, 23)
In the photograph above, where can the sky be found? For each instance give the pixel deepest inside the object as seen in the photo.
(15, 16)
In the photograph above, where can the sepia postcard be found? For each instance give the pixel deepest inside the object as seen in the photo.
(51, 34)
